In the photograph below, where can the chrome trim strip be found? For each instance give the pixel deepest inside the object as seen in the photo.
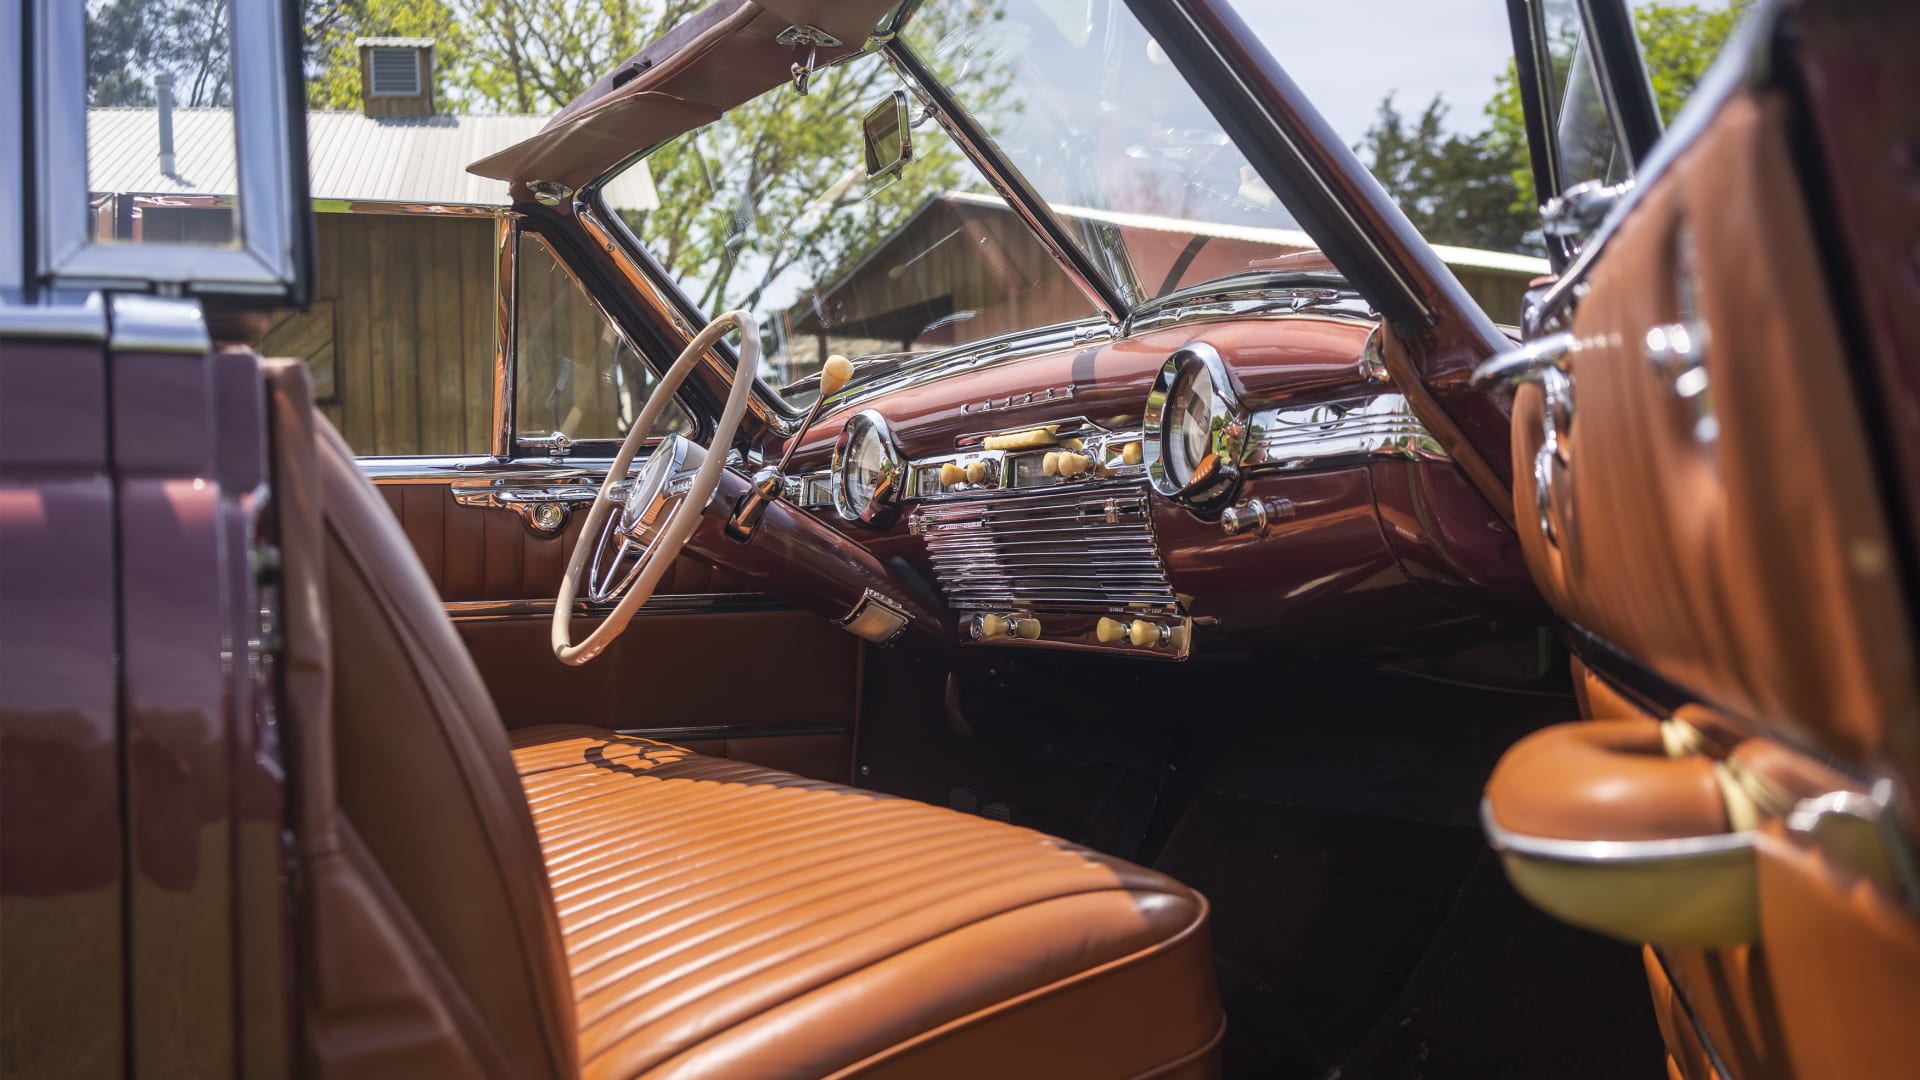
(876, 618)
(506, 287)
(156, 324)
(56, 318)
(1335, 433)
(712, 732)
(659, 604)
(1612, 852)
(430, 469)
(1280, 295)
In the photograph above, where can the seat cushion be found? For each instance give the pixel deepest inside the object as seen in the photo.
(723, 919)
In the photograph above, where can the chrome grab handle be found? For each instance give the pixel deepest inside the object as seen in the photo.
(1527, 362)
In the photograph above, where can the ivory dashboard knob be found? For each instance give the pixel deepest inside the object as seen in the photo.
(1051, 463)
(976, 472)
(1109, 630)
(834, 375)
(1071, 464)
(1179, 635)
(951, 474)
(993, 626)
(1143, 633)
(1026, 627)
(1131, 453)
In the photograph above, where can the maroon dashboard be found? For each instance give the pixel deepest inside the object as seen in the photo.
(1256, 475)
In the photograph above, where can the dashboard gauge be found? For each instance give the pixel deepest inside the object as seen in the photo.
(1195, 428)
(869, 474)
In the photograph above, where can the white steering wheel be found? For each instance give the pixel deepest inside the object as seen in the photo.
(632, 549)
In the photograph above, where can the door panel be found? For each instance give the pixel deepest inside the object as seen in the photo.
(1755, 568)
(1707, 516)
(704, 664)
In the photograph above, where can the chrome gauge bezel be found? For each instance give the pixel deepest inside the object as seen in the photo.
(1228, 424)
(879, 511)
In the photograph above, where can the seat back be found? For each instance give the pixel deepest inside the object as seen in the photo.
(428, 939)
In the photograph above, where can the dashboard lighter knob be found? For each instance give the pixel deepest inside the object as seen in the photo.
(951, 474)
(976, 472)
(992, 626)
(1071, 465)
(1143, 633)
(834, 374)
(1132, 453)
(1109, 630)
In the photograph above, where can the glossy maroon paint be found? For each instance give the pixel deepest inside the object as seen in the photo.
(794, 556)
(61, 885)
(1375, 553)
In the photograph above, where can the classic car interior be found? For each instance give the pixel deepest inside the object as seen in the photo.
(1026, 639)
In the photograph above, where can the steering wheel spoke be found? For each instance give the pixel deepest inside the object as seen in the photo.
(638, 526)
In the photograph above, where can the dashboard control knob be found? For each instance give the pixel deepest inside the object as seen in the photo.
(1143, 633)
(951, 474)
(1132, 453)
(1027, 628)
(1051, 463)
(976, 472)
(991, 626)
(1109, 631)
(1255, 515)
(1072, 465)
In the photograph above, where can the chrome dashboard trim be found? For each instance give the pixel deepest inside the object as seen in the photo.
(875, 618)
(1229, 428)
(1261, 296)
(883, 507)
(1329, 434)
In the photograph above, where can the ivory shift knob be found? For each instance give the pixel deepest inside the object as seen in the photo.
(834, 375)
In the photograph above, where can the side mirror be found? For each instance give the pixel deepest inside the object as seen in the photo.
(887, 130)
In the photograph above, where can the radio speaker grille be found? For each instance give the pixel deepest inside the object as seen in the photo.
(1078, 548)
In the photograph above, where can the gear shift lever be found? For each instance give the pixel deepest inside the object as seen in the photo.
(768, 482)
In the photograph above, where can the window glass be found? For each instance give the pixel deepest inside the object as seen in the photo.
(400, 332)
(574, 373)
(770, 209)
(1092, 112)
(160, 147)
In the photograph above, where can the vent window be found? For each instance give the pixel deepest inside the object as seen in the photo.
(396, 72)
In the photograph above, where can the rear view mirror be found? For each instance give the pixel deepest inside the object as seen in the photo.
(887, 130)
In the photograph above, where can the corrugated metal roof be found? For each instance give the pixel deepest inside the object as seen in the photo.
(350, 155)
(396, 42)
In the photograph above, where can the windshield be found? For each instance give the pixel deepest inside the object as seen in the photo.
(1085, 104)
(770, 208)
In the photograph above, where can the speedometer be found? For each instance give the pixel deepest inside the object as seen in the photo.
(868, 472)
(1196, 428)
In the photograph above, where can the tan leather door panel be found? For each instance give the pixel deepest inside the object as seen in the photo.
(767, 683)
(1713, 518)
(1755, 569)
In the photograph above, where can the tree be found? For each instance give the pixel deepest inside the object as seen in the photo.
(130, 42)
(333, 60)
(1443, 182)
(1678, 43)
(531, 56)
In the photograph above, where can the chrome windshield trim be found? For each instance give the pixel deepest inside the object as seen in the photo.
(143, 323)
(1612, 852)
(1020, 195)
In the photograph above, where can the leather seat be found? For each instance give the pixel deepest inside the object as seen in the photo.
(570, 902)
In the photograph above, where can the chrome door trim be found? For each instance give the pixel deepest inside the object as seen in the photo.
(1612, 852)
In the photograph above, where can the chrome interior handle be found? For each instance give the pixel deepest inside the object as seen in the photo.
(1527, 362)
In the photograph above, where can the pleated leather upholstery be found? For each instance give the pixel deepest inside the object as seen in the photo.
(722, 919)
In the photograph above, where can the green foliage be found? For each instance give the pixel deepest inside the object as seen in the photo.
(532, 56)
(780, 185)
(1443, 182)
(129, 42)
(333, 61)
(1679, 42)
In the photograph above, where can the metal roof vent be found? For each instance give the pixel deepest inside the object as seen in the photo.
(396, 76)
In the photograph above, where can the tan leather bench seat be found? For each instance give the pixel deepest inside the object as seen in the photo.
(722, 919)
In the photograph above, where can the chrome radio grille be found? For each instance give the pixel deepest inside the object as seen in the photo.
(1077, 548)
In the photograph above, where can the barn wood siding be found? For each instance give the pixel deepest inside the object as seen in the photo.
(400, 334)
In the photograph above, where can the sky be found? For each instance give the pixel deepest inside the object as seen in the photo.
(1347, 54)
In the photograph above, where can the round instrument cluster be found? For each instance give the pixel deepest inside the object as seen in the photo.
(869, 473)
(1196, 429)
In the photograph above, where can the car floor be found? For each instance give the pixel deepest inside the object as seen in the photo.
(1330, 815)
